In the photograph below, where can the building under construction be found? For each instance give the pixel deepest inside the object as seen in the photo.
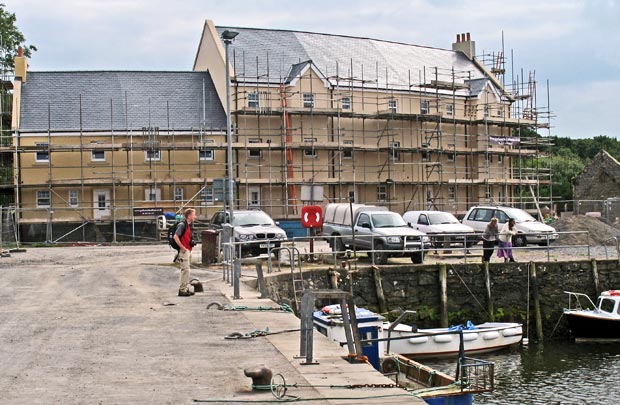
(316, 118)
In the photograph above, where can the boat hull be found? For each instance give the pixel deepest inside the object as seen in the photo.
(588, 326)
(434, 343)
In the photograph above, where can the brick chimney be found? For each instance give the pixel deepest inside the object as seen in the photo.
(465, 45)
(21, 65)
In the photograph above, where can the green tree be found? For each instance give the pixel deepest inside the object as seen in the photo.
(11, 38)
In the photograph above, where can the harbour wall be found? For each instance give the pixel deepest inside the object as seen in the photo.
(531, 293)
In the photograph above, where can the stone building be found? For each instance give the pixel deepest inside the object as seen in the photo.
(597, 188)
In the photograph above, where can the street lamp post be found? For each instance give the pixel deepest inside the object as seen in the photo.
(227, 37)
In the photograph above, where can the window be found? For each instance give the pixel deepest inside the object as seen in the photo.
(97, 156)
(352, 195)
(73, 198)
(308, 100)
(500, 112)
(425, 107)
(451, 193)
(152, 155)
(488, 158)
(254, 196)
(381, 193)
(152, 194)
(500, 158)
(486, 111)
(42, 155)
(254, 153)
(254, 100)
(450, 110)
(487, 194)
(450, 156)
(346, 103)
(206, 196)
(392, 105)
(394, 150)
(44, 199)
(347, 152)
(426, 156)
(178, 194)
(205, 153)
(364, 219)
(310, 152)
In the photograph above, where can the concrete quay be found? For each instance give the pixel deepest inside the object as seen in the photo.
(101, 324)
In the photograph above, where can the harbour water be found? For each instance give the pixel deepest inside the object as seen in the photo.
(552, 373)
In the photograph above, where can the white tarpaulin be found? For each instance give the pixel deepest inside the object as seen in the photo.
(505, 140)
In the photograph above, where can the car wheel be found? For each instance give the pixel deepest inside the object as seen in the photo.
(378, 254)
(417, 257)
(519, 241)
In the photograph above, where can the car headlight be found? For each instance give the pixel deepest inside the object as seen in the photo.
(425, 239)
(393, 239)
(244, 237)
(281, 236)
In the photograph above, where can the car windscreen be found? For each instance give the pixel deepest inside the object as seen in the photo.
(388, 220)
(519, 215)
(438, 218)
(252, 219)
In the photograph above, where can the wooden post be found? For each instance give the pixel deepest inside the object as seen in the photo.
(487, 279)
(443, 296)
(376, 272)
(597, 286)
(539, 328)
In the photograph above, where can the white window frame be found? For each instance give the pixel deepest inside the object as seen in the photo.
(254, 196)
(394, 150)
(450, 109)
(310, 152)
(381, 193)
(42, 155)
(178, 194)
(425, 107)
(152, 155)
(346, 103)
(152, 194)
(426, 156)
(393, 105)
(44, 198)
(308, 100)
(254, 153)
(452, 193)
(450, 156)
(254, 100)
(205, 153)
(94, 155)
(207, 196)
(73, 198)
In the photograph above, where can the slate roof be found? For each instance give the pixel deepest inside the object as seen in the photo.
(119, 99)
(267, 55)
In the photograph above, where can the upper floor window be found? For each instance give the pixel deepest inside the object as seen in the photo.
(392, 105)
(425, 107)
(450, 156)
(178, 194)
(451, 193)
(347, 152)
(44, 199)
(381, 193)
(254, 100)
(206, 196)
(346, 103)
(254, 153)
(308, 100)
(204, 153)
(450, 110)
(152, 194)
(395, 150)
(97, 156)
(152, 155)
(309, 151)
(42, 155)
(254, 197)
(73, 198)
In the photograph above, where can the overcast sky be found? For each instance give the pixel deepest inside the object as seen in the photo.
(574, 45)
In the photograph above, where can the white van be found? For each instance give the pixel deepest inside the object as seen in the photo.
(443, 228)
(530, 230)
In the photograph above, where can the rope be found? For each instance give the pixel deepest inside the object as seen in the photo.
(257, 333)
(470, 292)
(228, 307)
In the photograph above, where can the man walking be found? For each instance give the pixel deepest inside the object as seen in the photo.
(183, 238)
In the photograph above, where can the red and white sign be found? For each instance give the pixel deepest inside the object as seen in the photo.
(311, 216)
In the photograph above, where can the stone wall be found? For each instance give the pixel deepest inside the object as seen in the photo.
(417, 287)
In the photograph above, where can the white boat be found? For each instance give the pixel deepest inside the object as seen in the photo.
(594, 323)
(445, 342)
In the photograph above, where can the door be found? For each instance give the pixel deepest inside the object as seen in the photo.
(101, 208)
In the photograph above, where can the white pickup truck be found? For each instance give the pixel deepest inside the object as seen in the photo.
(366, 227)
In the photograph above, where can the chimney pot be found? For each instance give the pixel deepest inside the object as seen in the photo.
(468, 37)
(458, 38)
(463, 37)
(20, 51)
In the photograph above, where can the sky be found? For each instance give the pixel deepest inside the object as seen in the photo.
(572, 46)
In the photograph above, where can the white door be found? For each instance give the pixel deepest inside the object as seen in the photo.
(101, 208)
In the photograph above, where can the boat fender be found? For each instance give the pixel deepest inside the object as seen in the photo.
(490, 335)
(512, 332)
(468, 337)
(388, 366)
(443, 338)
(418, 340)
